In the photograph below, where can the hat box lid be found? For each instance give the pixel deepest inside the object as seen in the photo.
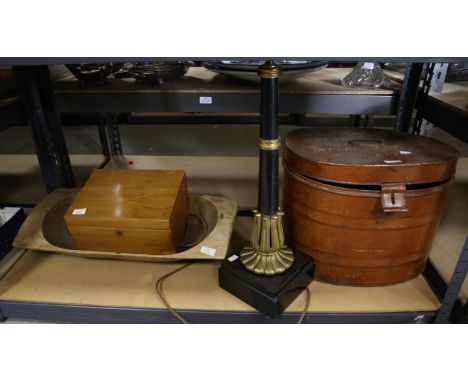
(364, 156)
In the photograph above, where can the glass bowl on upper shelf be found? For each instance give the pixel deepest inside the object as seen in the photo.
(366, 75)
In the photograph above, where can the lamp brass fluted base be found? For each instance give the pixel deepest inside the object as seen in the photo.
(267, 254)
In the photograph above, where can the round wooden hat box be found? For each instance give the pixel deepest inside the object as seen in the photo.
(364, 203)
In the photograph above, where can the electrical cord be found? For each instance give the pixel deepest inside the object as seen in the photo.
(160, 292)
(306, 307)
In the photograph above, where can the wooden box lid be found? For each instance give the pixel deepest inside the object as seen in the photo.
(368, 156)
(120, 198)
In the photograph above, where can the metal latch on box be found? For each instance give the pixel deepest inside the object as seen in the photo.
(393, 197)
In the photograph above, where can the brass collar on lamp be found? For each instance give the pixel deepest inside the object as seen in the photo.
(269, 144)
(269, 70)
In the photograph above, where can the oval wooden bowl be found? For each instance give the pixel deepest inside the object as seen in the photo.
(210, 225)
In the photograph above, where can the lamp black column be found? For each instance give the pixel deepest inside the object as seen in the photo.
(269, 132)
(267, 254)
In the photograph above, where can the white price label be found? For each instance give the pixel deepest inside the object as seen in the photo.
(368, 65)
(79, 211)
(393, 161)
(402, 152)
(206, 100)
(233, 258)
(208, 251)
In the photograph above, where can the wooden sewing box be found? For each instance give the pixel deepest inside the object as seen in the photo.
(130, 211)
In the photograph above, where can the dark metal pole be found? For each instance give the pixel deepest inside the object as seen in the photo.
(422, 98)
(103, 138)
(101, 126)
(356, 120)
(113, 132)
(454, 287)
(409, 93)
(36, 91)
(269, 131)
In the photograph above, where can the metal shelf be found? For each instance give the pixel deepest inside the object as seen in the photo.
(126, 315)
(317, 92)
(115, 97)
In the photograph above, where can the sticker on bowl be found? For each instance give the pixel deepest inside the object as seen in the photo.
(393, 161)
(208, 251)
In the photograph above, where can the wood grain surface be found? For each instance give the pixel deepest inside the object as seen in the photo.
(354, 238)
(351, 239)
(368, 156)
(130, 211)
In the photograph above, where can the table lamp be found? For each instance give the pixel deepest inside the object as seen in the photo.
(267, 274)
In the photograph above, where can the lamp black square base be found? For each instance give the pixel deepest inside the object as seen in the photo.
(270, 295)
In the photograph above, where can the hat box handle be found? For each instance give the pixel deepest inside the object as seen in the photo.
(393, 197)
